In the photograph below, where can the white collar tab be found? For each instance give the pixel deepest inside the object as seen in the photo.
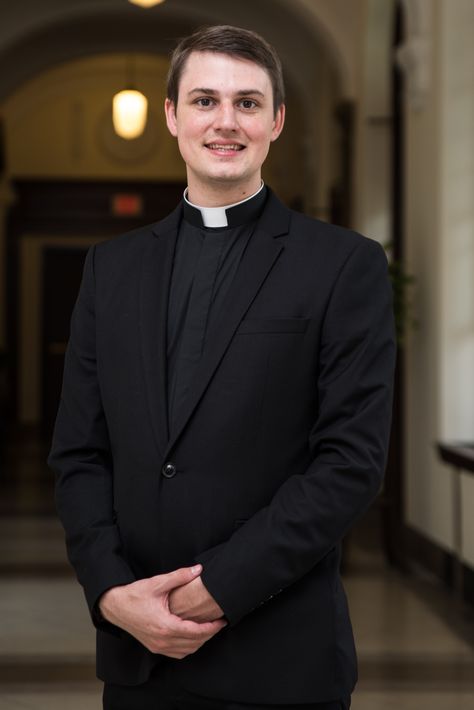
(228, 215)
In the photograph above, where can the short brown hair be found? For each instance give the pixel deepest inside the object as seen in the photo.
(236, 42)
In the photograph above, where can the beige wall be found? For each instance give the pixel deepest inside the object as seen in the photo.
(59, 123)
(440, 248)
(373, 170)
(341, 25)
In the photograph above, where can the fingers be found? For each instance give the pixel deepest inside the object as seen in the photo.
(178, 577)
(181, 647)
(205, 628)
(193, 630)
(178, 644)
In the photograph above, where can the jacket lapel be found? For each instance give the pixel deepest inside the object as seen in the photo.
(258, 259)
(155, 276)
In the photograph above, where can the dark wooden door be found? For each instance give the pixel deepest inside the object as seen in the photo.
(62, 273)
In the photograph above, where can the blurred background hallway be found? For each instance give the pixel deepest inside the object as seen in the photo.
(415, 640)
(379, 137)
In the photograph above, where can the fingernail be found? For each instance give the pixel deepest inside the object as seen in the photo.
(196, 568)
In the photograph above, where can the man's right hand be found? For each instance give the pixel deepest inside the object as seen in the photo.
(142, 609)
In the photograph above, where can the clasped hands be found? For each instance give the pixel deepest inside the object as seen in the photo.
(172, 614)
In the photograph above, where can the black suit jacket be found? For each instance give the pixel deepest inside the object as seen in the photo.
(281, 448)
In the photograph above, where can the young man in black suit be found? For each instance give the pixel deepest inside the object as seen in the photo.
(224, 418)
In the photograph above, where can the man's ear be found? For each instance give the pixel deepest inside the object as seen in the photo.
(170, 113)
(278, 122)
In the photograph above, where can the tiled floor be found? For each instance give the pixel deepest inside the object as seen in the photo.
(411, 700)
(89, 699)
(415, 645)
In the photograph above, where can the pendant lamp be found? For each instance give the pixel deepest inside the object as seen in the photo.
(129, 113)
(129, 107)
(146, 3)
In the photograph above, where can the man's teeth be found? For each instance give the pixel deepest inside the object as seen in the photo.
(217, 146)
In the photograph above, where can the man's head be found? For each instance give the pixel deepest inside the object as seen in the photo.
(225, 107)
(235, 42)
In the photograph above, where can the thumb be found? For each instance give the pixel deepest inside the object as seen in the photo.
(180, 576)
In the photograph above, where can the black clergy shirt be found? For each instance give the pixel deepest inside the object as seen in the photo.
(205, 262)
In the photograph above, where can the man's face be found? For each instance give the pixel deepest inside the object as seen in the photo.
(224, 122)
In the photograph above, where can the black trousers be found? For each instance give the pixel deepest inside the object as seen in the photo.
(163, 692)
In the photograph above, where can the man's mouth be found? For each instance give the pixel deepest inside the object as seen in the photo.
(225, 148)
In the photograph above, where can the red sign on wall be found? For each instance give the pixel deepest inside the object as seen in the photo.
(127, 204)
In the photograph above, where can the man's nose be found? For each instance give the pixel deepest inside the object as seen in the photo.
(225, 117)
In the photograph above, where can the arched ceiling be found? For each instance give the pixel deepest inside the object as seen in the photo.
(35, 36)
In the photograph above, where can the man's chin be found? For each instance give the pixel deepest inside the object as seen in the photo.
(226, 177)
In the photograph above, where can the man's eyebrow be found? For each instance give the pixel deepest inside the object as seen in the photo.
(213, 92)
(246, 92)
(201, 90)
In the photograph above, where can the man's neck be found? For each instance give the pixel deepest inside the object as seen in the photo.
(220, 195)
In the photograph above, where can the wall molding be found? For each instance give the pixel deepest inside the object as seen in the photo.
(414, 55)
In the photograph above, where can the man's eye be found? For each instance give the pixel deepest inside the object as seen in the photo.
(248, 103)
(204, 101)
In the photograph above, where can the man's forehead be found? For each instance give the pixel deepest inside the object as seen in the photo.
(197, 66)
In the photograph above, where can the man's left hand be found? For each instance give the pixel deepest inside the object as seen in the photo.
(192, 601)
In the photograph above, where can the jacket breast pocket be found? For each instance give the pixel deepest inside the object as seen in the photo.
(273, 325)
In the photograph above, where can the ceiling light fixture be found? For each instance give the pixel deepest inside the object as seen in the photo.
(146, 3)
(129, 113)
(129, 106)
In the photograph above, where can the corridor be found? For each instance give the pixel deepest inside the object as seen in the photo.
(378, 138)
(415, 644)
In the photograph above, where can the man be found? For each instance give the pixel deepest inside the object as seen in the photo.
(224, 417)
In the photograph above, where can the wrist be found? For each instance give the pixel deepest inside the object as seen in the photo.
(106, 603)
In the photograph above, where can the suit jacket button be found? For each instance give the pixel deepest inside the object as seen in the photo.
(169, 470)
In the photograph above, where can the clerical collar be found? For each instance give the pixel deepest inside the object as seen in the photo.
(227, 216)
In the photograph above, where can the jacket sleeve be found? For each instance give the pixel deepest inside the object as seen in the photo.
(81, 458)
(311, 512)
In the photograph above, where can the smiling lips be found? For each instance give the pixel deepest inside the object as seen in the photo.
(225, 147)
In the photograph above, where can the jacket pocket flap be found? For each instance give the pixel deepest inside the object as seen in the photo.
(273, 325)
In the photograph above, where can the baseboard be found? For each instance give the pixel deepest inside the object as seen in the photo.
(425, 553)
